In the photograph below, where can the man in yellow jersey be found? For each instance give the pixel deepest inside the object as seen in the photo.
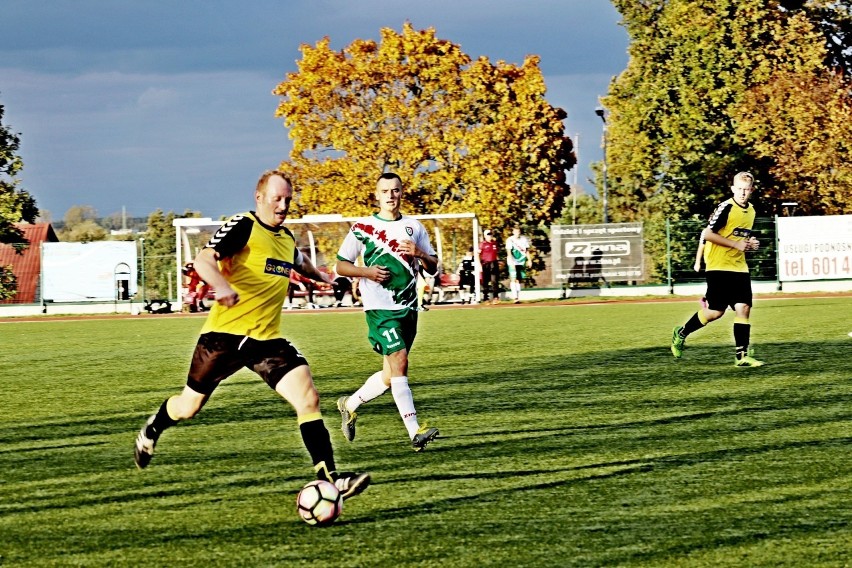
(248, 262)
(727, 239)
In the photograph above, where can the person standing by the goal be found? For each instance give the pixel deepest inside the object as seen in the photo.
(393, 247)
(518, 259)
(490, 267)
(248, 263)
(726, 240)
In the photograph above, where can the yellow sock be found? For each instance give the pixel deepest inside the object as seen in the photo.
(309, 417)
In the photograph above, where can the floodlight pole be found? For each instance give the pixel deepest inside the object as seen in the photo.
(576, 168)
(142, 254)
(601, 112)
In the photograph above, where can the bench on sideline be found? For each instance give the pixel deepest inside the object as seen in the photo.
(446, 288)
(323, 293)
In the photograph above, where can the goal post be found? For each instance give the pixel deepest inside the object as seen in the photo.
(320, 237)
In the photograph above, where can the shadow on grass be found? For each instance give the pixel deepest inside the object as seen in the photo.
(595, 471)
(555, 381)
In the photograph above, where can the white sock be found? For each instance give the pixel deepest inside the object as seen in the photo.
(405, 404)
(516, 289)
(374, 387)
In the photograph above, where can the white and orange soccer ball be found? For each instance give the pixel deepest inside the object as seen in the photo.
(319, 503)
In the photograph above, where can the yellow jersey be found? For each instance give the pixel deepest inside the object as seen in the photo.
(733, 222)
(256, 260)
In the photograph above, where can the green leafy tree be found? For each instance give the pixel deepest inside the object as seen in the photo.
(465, 135)
(79, 214)
(81, 225)
(674, 140)
(8, 283)
(588, 211)
(16, 205)
(160, 253)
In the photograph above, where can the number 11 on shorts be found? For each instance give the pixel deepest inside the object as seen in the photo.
(391, 337)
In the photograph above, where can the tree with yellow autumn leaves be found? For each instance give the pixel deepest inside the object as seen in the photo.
(465, 135)
(801, 123)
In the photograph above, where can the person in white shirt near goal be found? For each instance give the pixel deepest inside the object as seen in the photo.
(518, 260)
(393, 247)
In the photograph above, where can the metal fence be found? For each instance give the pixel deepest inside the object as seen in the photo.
(157, 277)
(682, 242)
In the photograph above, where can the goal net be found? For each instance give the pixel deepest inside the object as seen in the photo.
(319, 237)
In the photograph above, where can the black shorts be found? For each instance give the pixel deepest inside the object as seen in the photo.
(726, 289)
(217, 356)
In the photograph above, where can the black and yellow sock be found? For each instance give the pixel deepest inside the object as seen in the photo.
(162, 420)
(696, 322)
(742, 336)
(318, 442)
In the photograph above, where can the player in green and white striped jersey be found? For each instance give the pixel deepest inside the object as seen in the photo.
(393, 246)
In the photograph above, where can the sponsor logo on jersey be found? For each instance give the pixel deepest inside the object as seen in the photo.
(277, 267)
(409, 231)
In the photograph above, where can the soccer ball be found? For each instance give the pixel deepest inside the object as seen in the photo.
(319, 503)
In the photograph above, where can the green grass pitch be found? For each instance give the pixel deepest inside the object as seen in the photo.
(569, 437)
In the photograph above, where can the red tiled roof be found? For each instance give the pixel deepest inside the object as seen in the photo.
(27, 265)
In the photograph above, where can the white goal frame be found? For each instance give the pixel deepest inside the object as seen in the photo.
(185, 226)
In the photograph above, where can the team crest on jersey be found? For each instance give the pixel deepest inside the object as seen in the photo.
(277, 267)
(409, 231)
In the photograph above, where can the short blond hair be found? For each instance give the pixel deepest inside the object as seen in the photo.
(744, 176)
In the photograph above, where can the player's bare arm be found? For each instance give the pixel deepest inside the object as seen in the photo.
(208, 268)
(307, 268)
(748, 244)
(699, 253)
(377, 273)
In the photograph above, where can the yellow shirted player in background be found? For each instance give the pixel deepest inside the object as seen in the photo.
(727, 239)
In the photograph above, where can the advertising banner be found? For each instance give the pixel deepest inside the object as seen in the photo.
(611, 252)
(814, 248)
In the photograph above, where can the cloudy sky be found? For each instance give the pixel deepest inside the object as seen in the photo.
(167, 104)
